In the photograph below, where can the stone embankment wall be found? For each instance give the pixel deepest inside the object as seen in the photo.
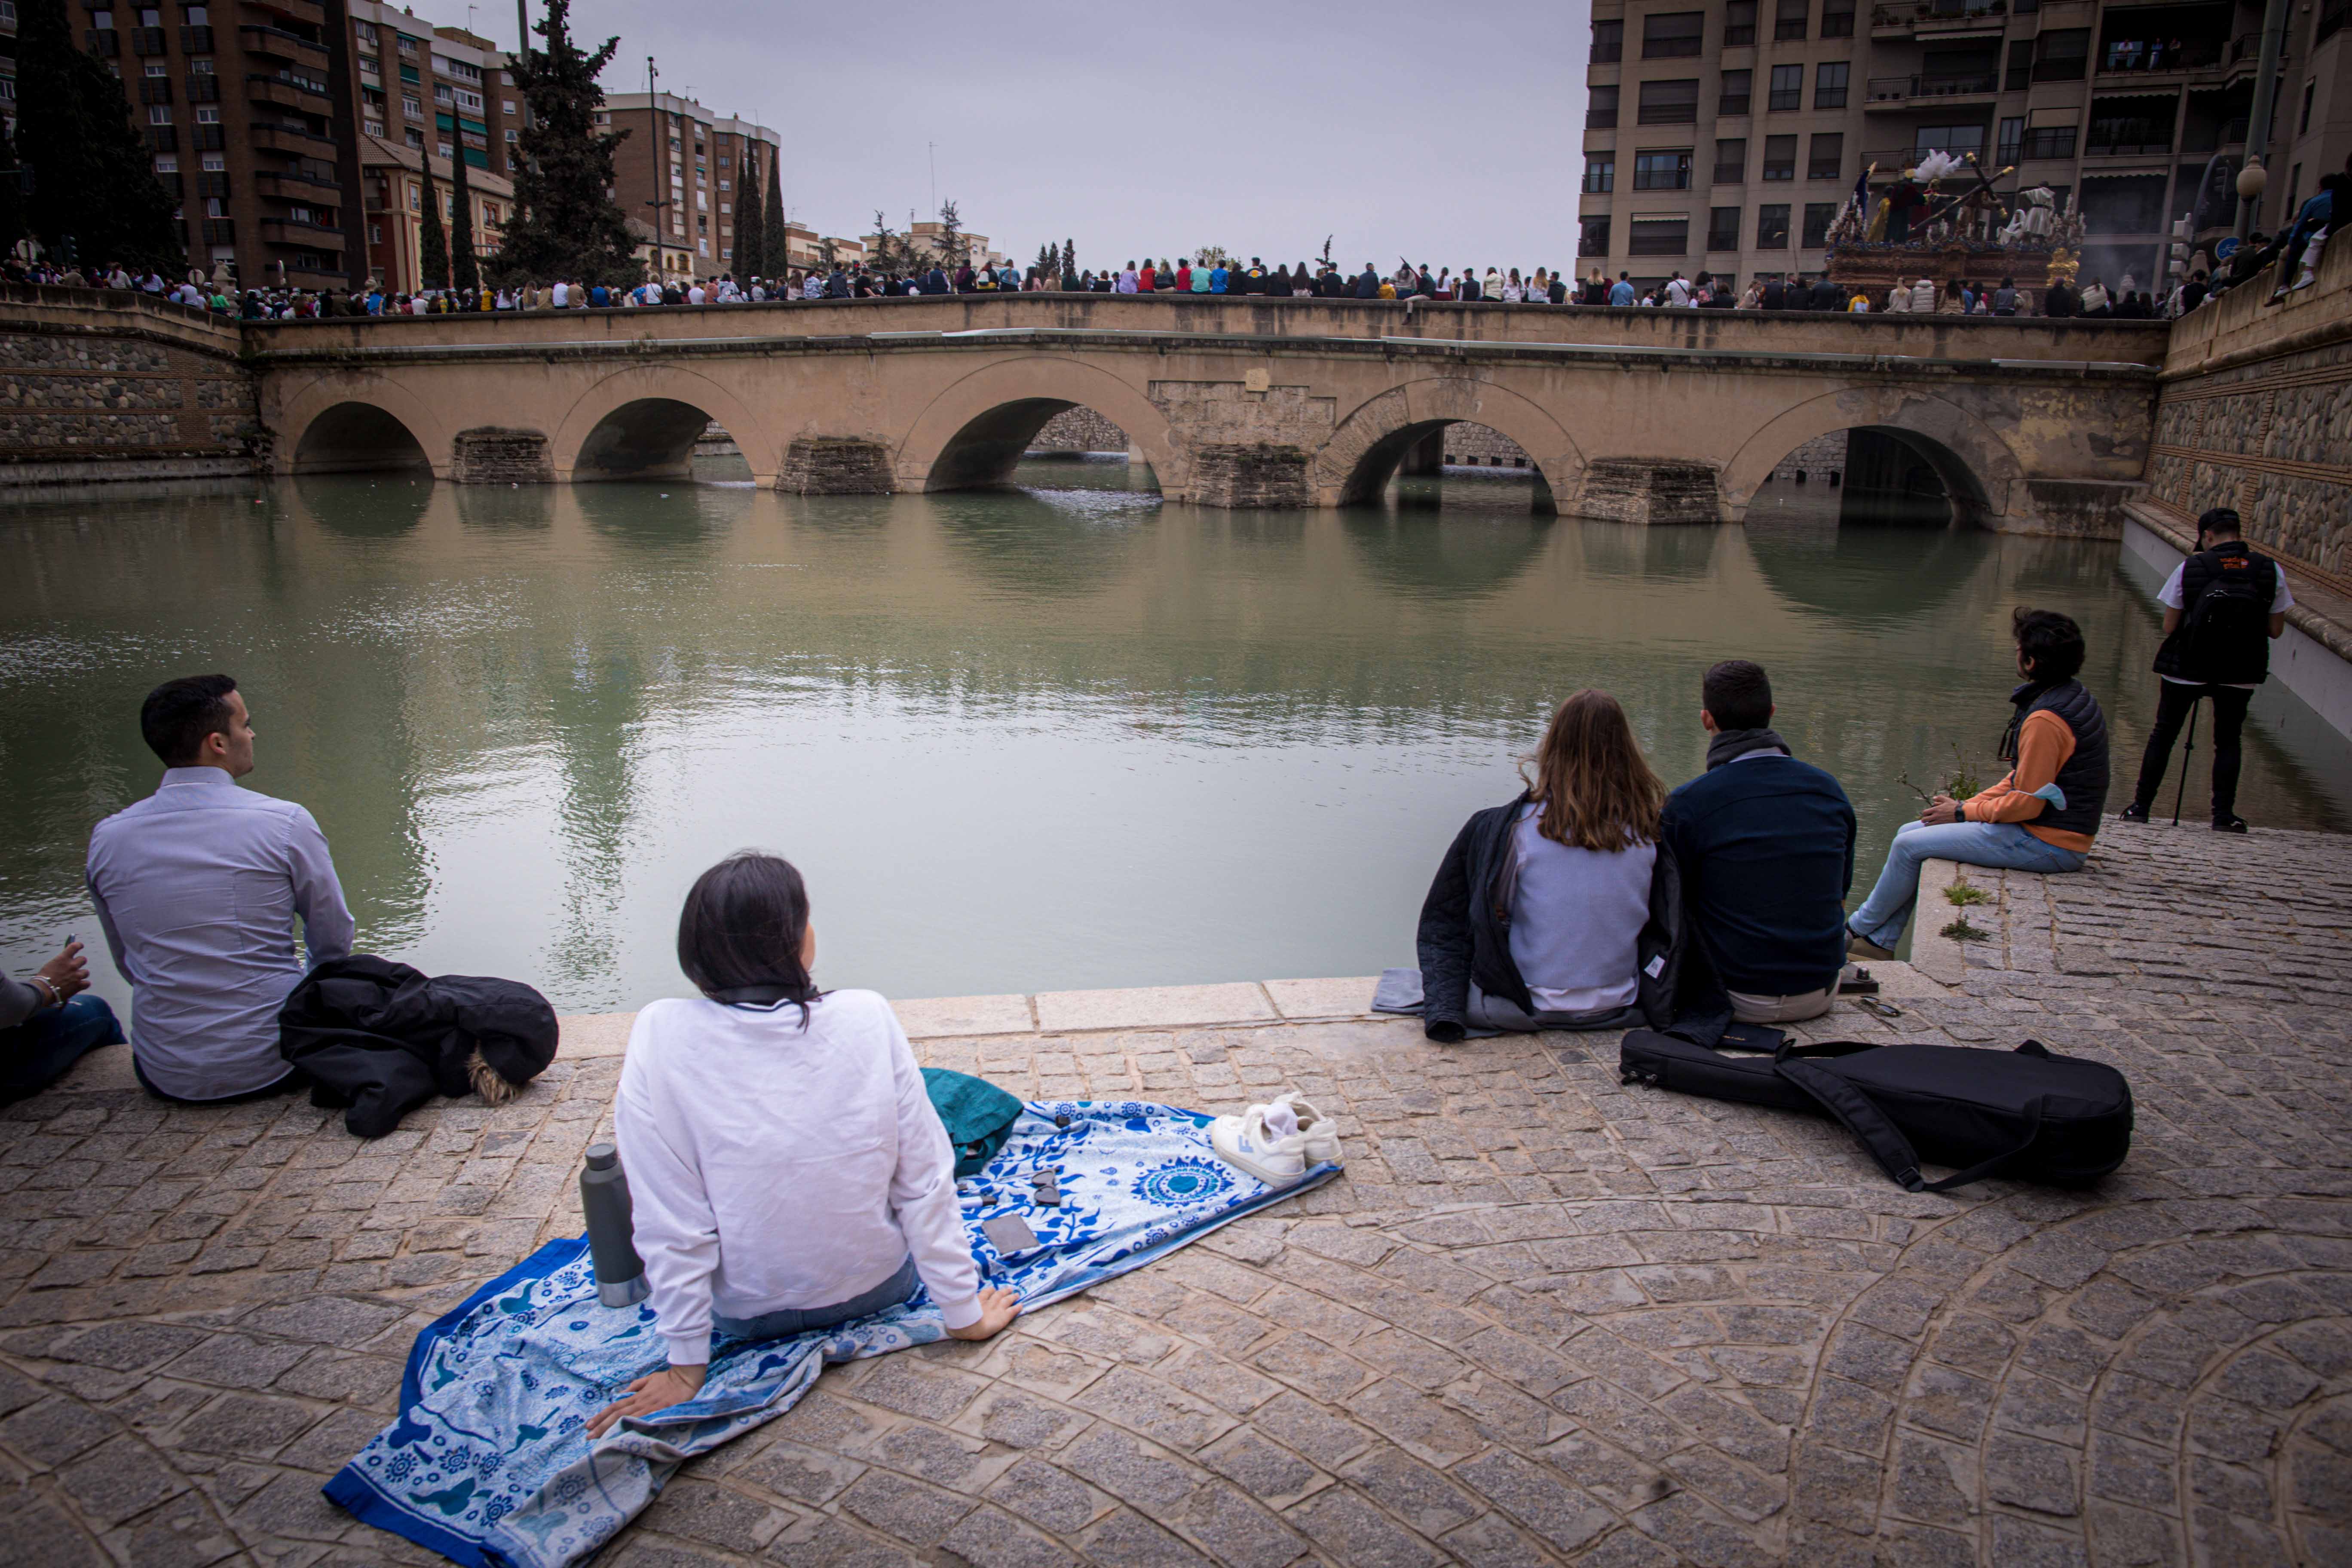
(2255, 413)
(1819, 458)
(1079, 430)
(1476, 446)
(102, 386)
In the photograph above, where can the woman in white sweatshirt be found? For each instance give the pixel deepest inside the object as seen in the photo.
(786, 1169)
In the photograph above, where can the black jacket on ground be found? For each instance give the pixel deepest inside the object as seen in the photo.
(379, 1038)
(1466, 934)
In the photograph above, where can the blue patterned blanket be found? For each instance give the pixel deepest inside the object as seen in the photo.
(488, 1463)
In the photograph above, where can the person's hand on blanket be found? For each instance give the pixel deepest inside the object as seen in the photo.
(998, 1308)
(657, 1391)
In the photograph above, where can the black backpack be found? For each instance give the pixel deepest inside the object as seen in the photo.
(2225, 635)
(2029, 1114)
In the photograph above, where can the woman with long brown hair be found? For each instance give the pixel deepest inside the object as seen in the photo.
(1559, 911)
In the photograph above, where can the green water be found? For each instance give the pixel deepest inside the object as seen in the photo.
(1065, 736)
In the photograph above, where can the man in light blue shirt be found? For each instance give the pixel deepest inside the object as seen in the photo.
(1621, 292)
(197, 888)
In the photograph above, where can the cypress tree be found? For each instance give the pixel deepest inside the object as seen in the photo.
(94, 185)
(778, 252)
(566, 226)
(751, 225)
(433, 249)
(464, 268)
(1069, 262)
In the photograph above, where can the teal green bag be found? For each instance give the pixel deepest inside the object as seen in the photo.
(978, 1114)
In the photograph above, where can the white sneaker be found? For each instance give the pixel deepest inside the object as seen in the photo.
(1248, 1145)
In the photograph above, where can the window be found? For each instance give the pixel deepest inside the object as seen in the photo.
(159, 70)
(2134, 206)
(1600, 175)
(1736, 86)
(208, 117)
(1819, 215)
(470, 100)
(1788, 87)
(507, 107)
(1731, 161)
(415, 138)
(1738, 24)
(1772, 226)
(1723, 228)
(2020, 66)
(410, 106)
(513, 136)
(1828, 84)
(201, 68)
(1827, 159)
(364, 32)
(1669, 102)
(2049, 142)
(214, 162)
(2062, 54)
(1593, 237)
(2308, 88)
(2012, 135)
(167, 165)
(159, 114)
(1789, 20)
(1662, 171)
(2127, 133)
(1779, 158)
(216, 207)
(406, 44)
(1837, 18)
(1953, 139)
(441, 92)
(1600, 112)
(1659, 237)
(1608, 42)
(1674, 34)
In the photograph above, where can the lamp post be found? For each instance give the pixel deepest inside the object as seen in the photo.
(658, 150)
(2258, 121)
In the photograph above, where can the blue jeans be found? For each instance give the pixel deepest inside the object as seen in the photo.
(786, 1321)
(1887, 911)
(37, 1052)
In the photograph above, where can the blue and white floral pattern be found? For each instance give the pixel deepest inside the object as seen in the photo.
(488, 1463)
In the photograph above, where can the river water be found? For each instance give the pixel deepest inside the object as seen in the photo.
(1062, 736)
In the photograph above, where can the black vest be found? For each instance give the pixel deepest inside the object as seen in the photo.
(2084, 779)
(2248, 661)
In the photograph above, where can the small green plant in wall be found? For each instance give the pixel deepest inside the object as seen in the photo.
(1963, 892)
(1961, 930)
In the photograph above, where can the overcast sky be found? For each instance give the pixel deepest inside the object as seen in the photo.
(1450, 133)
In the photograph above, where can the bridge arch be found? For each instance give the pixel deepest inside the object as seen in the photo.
(357, 423)
(641, 423)
(1980, 474)
(1366, 447)
(972, 432)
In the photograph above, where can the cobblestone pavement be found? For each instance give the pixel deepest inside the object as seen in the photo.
(1543, 1319)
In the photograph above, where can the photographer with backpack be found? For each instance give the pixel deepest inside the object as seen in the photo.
(2222, 606)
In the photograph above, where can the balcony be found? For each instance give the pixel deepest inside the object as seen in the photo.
(286, 139)
(278, 44)
(304, 235)
(1888, 92)
(103, 42)
(2154, 57)
(296, 188)
(285, 94)
(308, 12)
(1936, 20)
(2095, 148)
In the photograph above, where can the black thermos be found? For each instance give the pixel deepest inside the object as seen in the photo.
(605, 1202)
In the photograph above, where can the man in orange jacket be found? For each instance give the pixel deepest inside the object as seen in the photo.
(2041, 817)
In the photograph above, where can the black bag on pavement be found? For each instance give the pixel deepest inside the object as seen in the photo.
(2028, 1114)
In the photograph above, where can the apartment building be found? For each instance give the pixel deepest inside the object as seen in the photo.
(1727, 138)
(392, 182)
(433, 89)
(684, 169)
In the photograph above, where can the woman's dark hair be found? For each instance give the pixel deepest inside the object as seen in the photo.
(179, 714)
(743, 927)
(2053, 641)
(1596, 789)
(1739, 693)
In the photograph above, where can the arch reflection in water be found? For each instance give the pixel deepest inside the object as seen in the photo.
(688, 517)
(650, 438)
(377, 508)
(1050, 542)
(1439, 555)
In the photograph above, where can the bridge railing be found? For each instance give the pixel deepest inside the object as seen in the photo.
(86, 298)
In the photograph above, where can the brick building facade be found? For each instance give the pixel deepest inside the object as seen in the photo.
(683, 169)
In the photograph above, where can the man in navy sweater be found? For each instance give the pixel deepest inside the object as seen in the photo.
(1765, 846)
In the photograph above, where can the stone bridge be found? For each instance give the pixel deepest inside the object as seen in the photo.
(1629, 414)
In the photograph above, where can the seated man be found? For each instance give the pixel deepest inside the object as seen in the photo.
(2041, 817)
(45, 1026)
(197, 888)
(1765, 846)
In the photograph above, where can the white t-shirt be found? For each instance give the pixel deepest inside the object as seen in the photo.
(777, 1165)
(2169, 597)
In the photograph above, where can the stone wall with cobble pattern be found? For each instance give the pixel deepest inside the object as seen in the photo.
(111, 386)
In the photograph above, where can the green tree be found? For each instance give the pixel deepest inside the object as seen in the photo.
(432, 248)
(465, 267)
(1049, 259)
(890, 253)
(776, 250)
(751, 225)
(566, 223)
(94, 194)
(954, 249)
(1069, 260)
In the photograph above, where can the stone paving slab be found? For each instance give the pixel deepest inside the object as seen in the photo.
(1544, 1318)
